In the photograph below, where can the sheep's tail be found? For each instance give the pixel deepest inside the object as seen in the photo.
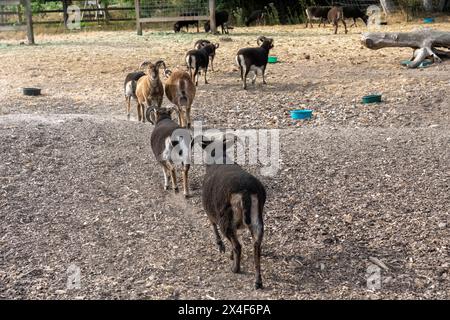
(247, 207)
(183, 99)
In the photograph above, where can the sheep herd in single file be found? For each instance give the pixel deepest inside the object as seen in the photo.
(231, 197)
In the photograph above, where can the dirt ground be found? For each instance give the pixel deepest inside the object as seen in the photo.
(79, 185)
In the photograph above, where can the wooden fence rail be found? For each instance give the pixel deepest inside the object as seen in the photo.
(28, 17)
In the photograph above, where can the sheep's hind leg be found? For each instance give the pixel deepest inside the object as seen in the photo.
(139, 110)
(264, 75)
(219, 241)
(230, 233)
(345, 26)
(173, 177)
(206, 81)
(257, 231)
(128, 100)
(254, 76)
(166, 177)
(185, 180)
(245, 79)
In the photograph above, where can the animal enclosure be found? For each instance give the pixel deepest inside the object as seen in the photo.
(357, 183)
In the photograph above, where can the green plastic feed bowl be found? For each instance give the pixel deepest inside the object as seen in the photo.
(272, 59)
(371, 98)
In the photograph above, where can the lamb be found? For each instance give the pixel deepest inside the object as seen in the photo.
(221, 20)
(180, 90)
(335, 15)
(233, 199)
(185, 23)
(199, 60)
(256, 16)
(316, 13)
(130, 88)
(149, 88)
(354, 13)
(254, 59)
(166, 136)
(201, 43)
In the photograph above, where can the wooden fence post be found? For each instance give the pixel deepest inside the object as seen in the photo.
(29, 19)
(137, 4)
(212, 16)
(65, 13)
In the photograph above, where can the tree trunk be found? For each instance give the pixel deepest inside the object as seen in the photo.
(425, 43)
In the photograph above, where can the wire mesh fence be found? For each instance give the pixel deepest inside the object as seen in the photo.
(361, 4)
(173, 8)
(11, 13)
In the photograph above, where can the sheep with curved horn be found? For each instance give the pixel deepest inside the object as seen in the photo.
(199, 44)
(254, 59)
(180, 90)
(149, 88)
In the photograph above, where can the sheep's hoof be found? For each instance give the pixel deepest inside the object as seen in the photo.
(166, 188)
(128, 116)
(175, 190)
(187, 195)
(221, 247)
(258, 285)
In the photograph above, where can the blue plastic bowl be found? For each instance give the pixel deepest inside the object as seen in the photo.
(301, 114)
(428, 20)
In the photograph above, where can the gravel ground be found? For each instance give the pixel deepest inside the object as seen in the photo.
(78, 183)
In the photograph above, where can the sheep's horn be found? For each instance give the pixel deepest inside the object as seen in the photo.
(160, 63)
(260, 38)
(143, 64)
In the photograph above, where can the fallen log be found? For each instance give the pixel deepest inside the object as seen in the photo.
(425, 43)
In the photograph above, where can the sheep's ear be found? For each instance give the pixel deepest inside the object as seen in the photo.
(217, 45)
(167, 73)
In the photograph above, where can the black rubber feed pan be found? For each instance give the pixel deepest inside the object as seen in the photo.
(31, 91)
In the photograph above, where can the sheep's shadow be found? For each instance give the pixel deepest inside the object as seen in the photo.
(326, 268)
